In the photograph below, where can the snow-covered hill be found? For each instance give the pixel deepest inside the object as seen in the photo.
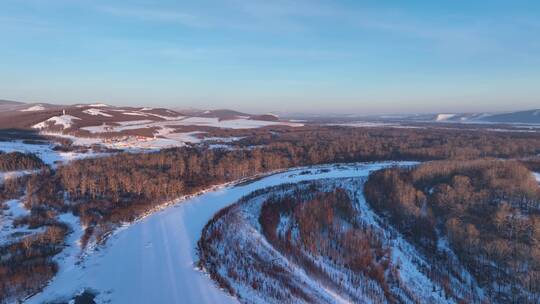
(130, 127)
(520, 117)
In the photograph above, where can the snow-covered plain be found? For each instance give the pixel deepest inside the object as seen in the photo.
(165, 133)
(153, 260)
(166, 136)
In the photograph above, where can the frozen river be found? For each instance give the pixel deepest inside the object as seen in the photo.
(153, 260)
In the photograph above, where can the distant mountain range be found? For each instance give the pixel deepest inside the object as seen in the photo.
(517, 117)
(531, 116)
(520, 117)
(25, 115)
(14, 114)
(135, 127)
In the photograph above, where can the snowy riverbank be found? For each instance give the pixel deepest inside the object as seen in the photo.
(153, 260)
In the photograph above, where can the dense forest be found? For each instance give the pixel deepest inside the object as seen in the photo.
(488, 210)
(15, 161)
(12, 188)
(325, 224)
(370, 144)
(123, 186)
(108, 190)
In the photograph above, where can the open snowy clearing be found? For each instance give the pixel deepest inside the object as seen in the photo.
(8, 233)
(164, 128)
(44, 151)
(241, 123)
(166, 135)
(153, 260)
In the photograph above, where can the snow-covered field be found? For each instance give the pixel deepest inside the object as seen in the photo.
(153, 260)
(135, 144)
(15, 208)
(165, 137)
(96, 112)
(163, 125)
(43, 151)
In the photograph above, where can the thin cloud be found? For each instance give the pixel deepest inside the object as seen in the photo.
(25, 23)
(445, 33)
(249, 52)
(157, 15)
(263, 8)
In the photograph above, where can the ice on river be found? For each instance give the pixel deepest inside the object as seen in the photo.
(153, 260)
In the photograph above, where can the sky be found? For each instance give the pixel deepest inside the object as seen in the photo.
(308, 56)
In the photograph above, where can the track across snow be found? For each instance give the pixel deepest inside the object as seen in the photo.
(153, 260)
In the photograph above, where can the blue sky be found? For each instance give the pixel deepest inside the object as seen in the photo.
(264, 55)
